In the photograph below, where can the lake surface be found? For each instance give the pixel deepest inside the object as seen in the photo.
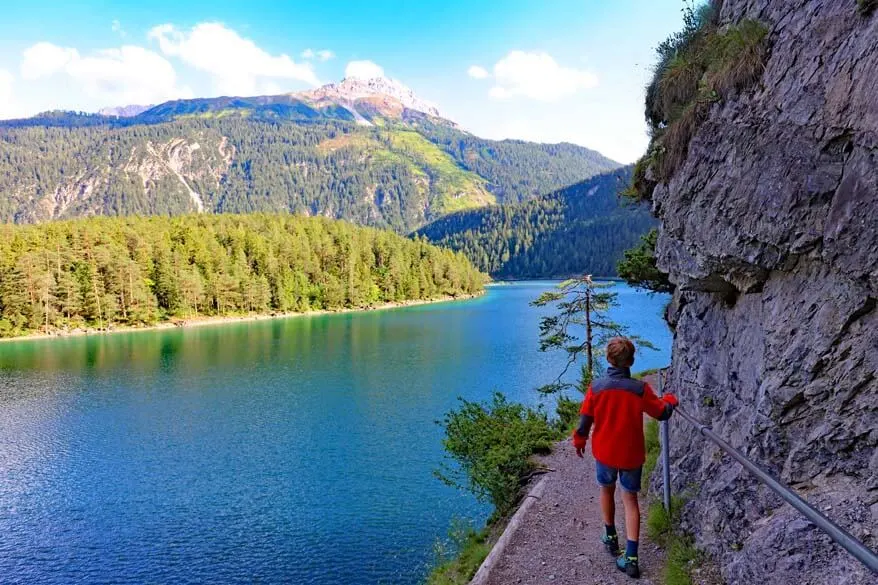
(279, 451)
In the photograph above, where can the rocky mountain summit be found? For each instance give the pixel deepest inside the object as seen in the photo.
(389, 96)
(769, 229)
(124, 111)
(352, 99)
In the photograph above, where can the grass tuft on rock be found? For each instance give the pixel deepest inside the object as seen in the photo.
(682, 558)
(641, 182)
(867, 7)
(678, 85)
(736, 58)
(674, 143)
(653, 448)
(698, 66)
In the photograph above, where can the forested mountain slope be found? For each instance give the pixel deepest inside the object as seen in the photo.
(340, 152)
(132, 271)
(582, 228)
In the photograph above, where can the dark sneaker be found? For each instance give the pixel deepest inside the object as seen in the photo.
(628, 565)
(612, 544)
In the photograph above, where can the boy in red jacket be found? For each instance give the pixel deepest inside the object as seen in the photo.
(614, 406)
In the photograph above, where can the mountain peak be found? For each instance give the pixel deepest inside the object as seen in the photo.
(352, 89)
(124, 111)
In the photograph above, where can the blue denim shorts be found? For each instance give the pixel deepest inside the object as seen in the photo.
(628, 478)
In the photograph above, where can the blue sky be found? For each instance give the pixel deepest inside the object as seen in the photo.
(545, 70)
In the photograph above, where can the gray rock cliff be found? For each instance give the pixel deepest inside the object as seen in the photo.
(770, 231)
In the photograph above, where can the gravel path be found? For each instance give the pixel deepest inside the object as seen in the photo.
(558, 538)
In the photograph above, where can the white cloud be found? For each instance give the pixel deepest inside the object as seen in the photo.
(237, 64)
(321, 55)
(44, 59)
(500, 93)
(6, 106)
(127, 75)
(116, 27)
(477, 72)
(363, 70)
(124, 75)
(537, 76)
(269, 88)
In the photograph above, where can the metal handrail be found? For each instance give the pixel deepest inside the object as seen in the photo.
(666, 454)
(835, 532)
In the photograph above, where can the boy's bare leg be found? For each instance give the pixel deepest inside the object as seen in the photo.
(632, 515)
(608, 504)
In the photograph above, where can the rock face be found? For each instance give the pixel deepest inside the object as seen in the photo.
(388, 97)
(770, 231)
(124, 111)
(176, 170)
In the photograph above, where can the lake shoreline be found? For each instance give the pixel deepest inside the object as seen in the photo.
(203, 321)
(503, 281)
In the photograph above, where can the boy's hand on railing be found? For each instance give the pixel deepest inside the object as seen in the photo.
(671, 399)
(579, 443)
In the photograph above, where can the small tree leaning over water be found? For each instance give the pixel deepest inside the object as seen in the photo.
(581, 326)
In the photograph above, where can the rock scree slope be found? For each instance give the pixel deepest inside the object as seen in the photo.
(770, 231)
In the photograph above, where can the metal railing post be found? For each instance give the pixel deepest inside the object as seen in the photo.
(666, 453)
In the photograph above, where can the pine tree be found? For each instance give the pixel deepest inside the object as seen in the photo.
(639, 269)
(580, 325)
(102, 272)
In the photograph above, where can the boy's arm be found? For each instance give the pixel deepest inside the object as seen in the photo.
(658, 408)
(586, 418)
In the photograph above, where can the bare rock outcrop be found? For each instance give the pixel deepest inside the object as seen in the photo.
(770, 231)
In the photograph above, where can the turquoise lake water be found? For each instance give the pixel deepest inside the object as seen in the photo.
(294, 450)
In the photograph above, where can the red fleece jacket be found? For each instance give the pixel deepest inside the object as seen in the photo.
(614, 405)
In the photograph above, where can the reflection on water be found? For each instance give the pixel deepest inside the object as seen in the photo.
(284, 451)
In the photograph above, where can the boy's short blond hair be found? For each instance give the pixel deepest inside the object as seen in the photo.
(620, 352)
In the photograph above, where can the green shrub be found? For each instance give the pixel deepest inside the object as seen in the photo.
(567, 410)
(491, 444)
(867, 7)
(661, 528)
(457, 567)
(638, 268)
(643, 374)
(641, 186)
